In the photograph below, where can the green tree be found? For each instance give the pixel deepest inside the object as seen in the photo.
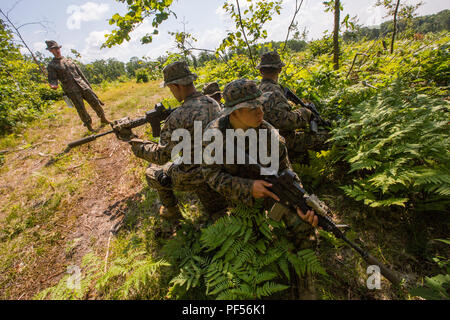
(335, 6)
(19, 95)
(138, 11)
(403, 11)
(249, 24)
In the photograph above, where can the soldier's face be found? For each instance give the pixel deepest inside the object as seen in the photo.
(251, 118)
(176, 91)
(56, 52)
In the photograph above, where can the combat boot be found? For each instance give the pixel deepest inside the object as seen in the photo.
(172, 214)
(213, 217)
(104, 121)
(306, 288)
(89, 127)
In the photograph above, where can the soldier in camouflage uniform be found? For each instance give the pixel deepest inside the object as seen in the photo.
(212, 90)
(163, 175)
(244, 104)
(279, 112)
(74, 84)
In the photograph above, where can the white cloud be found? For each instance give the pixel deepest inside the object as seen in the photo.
(39, 46)
(210, 39)
(220, 11)
(89, 11)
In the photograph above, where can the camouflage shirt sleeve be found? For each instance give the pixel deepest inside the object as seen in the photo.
(278, 111)
(285, 163)
(52, 76)
(231, 187)
(82, 75)
(158, 153)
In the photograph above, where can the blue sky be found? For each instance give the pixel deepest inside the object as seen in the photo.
(81, 24)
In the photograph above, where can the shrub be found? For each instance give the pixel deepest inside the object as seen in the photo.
(48, 94)
(241, 256)
(141, 75)
(397, 146)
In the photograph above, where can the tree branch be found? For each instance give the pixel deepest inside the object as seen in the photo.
(353, 63)
(14, 5)
(23, 41)
(297, 9)
(245, 36)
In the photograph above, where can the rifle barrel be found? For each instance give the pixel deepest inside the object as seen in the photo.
(79, 142)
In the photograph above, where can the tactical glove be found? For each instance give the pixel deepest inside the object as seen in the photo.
(122, 129)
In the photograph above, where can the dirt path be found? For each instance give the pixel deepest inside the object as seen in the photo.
(105, 175)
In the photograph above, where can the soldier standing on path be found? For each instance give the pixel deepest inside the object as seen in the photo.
(165, 176)
(74, 84)
(279, 113)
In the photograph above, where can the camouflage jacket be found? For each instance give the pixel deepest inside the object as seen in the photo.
(279, 112)
(196, 107)
(235, 181)
(67, 72)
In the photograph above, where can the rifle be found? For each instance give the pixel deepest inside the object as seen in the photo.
(154, 117)
(316, 118)
(292, 195)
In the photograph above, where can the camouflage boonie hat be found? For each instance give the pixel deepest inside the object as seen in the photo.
(52, 45)
(240, 94)
(178, 73)
(271, 60)
(211, 89)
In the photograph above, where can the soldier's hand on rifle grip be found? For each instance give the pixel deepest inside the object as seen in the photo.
(122, 130)
(259, 190)
(309, 217)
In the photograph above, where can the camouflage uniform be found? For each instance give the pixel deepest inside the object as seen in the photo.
(235, 181)
(213, 90)
(280, 114)
(184, 177)
(74, 84)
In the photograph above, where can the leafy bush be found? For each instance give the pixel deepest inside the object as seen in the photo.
(48, 94)
(241, 256)
(19, 95)
(437, 287)
(141, 75)
(322, 46)
(397, 146)
(133, 276)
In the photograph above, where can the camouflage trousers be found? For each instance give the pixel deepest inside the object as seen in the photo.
(92, 99)
(212, 201)
(298, 143)
(301, 234)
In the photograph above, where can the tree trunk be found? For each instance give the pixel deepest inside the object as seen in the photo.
(337, 13)
(395, 26)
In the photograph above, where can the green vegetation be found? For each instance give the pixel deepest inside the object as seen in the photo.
(241, 256)
(387, 174)
(19, 95)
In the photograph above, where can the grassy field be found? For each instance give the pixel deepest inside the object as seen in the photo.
(90, 208)
(59, 205)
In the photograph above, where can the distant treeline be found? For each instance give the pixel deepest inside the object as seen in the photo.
(424, 24)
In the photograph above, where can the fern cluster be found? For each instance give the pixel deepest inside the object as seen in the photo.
(397, 146)
(130, 276)
(241, 256)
